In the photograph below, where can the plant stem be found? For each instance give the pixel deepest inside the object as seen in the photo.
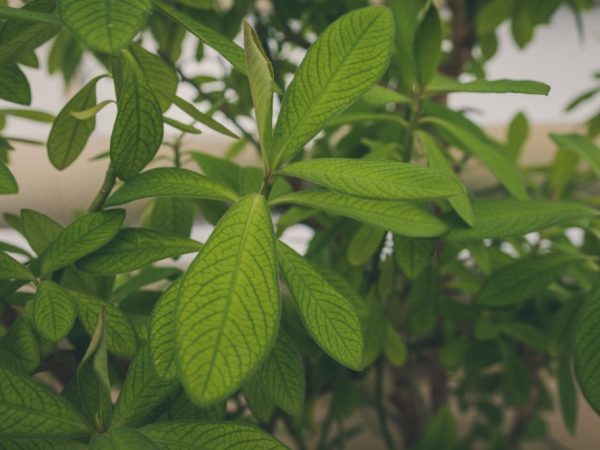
(413, 123)
(385, 431)
(107, 186)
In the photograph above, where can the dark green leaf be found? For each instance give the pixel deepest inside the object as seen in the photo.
(11, 269)
(428, 45)
(8, 184)
(53, 311)
(14, 86)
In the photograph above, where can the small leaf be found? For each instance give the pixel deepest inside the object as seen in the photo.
(228, 304)
(122, 439)
(259, 402)
(53, 311)
(26, 405)
(107, 26)
(402, 218)
(523, 279)
(19, 349)
(161, 337)
(364, 243)
(138, 129)
(386, 180)
(142, 391)
(11, 269)
(170, 182)
(39, 229)
(203, 118)
(69, 134)
(327, 81)
(526, 334)
(380, 96)
(183, 127)
(329, 318)
(201, 436)
(82, 237)
(567, 392)
(413, 255)
(504, 218)
(92, 111)
(441, 84)
(428, 45)
(31, 114)
(8, 184)
(583, 146)
(14, 86)
(394, 347)
(173, 215)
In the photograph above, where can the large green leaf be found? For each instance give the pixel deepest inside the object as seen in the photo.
(347, 59)
(225, 46)
(330, 318)
(8, 184)
(134, 248)
(69, 135)
(138, 130)
(585, 344)
(402, 218)
(583, 146)
(19, 350)
(83, 236)
(441, 84)
(27, 407)
(39, 229)
(260, 74)
(377, 179)
(122, 439)
(11, 269)
(53, 311)
(228, 304)
(202, 436)
(498, 163)
(14, 86)
(504, 218)
(108, 25)
(170, 182)
(282, 375)
(142, 391)
(523, 279)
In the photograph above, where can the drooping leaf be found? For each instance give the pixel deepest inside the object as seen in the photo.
(14, 86)
(161, 77)
(53, 311)
(31, 114)
(69, 135)
(122, 439)
(504, 218)
(330, 318)
(386, 180)
(142, 391)
(200, 436)
(138, 130)
(183, 127)
(428, 45)
(26, 405)
(327, 81)
(19, 350)
(522, 279)
(170, 182)
(134, 248)
(228, 304)
(11, 269)
(80, 238)
(402, 218)
(441, 84)
(567, 392)
(583, 146)
(107, 26)
(8, 184)
(91, 111)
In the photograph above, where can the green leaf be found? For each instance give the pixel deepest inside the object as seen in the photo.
(402, 218)
(228, 304)
(183, 127)
(440, 432)
(567, 393)
(26, 405)
(516, 379)
(504, 218)
(329, 81)
(225, 46)
(173, 215)
(518, 131)
(107, 26)
(436, 160)
(260, 74)
(138, 129)
(413, 255)
(161, 337)
(381, 96)
(8, 184)
(170, 182)
(523, 279)
(428, 45)
(31, 114)
(329, 318)
(14, 86)
(581, 145)
(27, 15)
(19, 350)
(526, 334)
(585, 344)
(441, 84)
(220, 169)
(161, 77)
(92, 111)
(493, 14)
(406, 13)
(53, 311)
(69, 135)
(11, 269)
(39, 229)
(179, 407)
(40, 443)
(120, 336)
(142, 391)
(203, 118)
(122, 439)
(502, 167)
(259, 402)
(394, 347)
(82, 237)
(282, 375)
(376, 179)
(201, 436)
(134, 248)
(364, 243)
